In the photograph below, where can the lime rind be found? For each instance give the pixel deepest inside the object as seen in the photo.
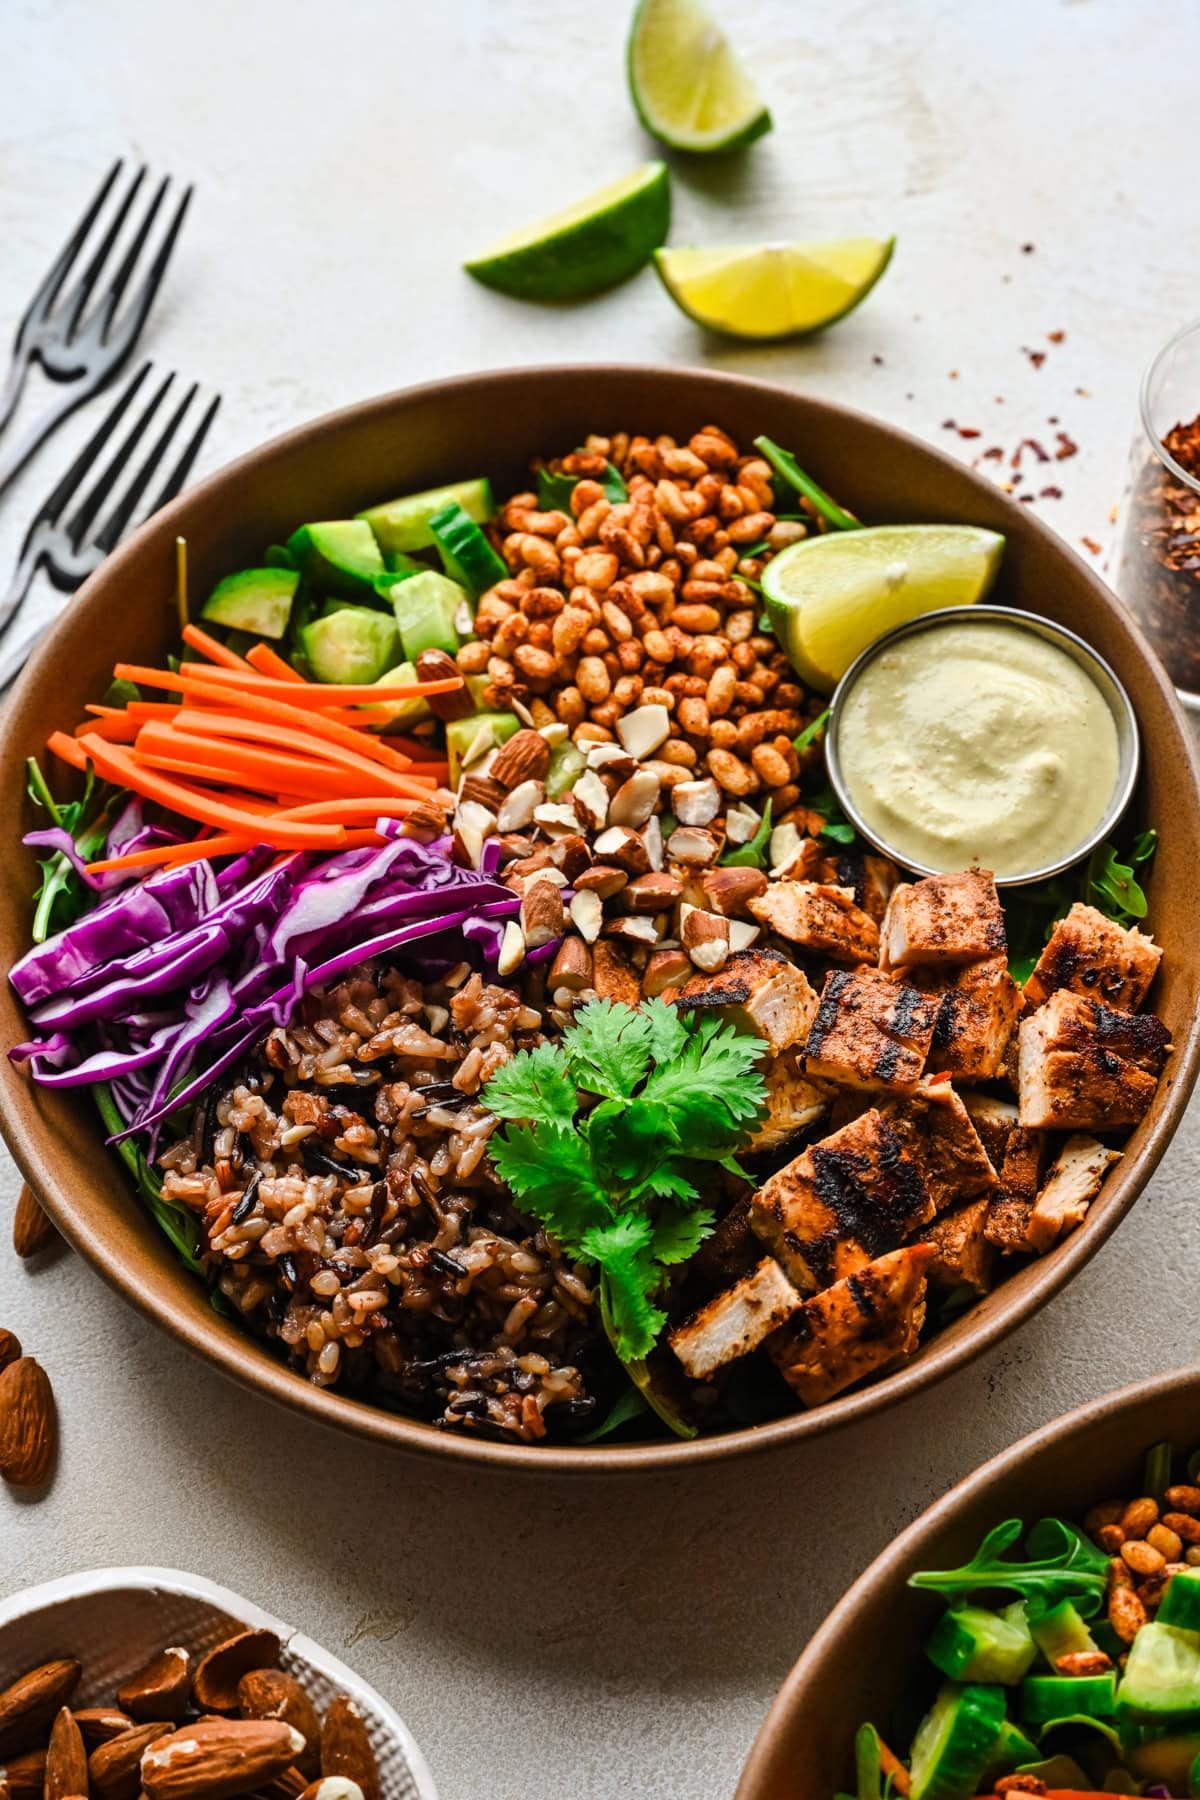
(591, 245)
(771, 291)
(687, 85)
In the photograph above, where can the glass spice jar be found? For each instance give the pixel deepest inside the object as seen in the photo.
(1158, 566)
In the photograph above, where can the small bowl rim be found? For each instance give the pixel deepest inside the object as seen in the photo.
(958, 1499)
(1153, 437)
(1110, 686)
(265, 1377)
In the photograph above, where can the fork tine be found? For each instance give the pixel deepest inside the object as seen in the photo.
(108, 535)
(47, 290)
(127, 331)
(107, 308)
(48, 513)
(183, 468)
(81, 520)
(80, 294)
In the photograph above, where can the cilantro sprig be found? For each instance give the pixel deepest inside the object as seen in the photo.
(1060, 1563)
(610, 1135)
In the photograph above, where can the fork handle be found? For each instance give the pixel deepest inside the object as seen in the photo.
(39, 430)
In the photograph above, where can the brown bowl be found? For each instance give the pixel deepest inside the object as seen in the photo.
(866, 1658)
(495, 423)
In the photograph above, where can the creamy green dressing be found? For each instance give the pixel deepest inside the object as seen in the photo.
(978, 744)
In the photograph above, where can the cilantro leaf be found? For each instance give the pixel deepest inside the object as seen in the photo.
(608, 1048)
(679, 1233)
(534, 1085)
(628, 1136)
(707, 1109)
(551, 1174)
(668, 1182)
(668, 1033)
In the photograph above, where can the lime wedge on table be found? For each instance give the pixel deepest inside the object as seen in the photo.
(589, 246)
(772, 290)
(829, 597)
(689, 89)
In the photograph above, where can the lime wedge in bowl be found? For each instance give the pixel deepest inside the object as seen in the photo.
(829, 597)
(690, 91)
(587, 247)
(772, 290)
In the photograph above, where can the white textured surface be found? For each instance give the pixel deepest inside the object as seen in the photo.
(564, 1639)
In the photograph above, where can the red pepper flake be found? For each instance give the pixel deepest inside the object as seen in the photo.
(1090, 544)
(1036, 357)
(947, 424)
(1066, 446)
(1057, 337)
(1029, 444)
(1050, 493)
(1027, 249)
(1084, 393)
(994, 454)
(1025, 499)
(878, 360)
(969, 431)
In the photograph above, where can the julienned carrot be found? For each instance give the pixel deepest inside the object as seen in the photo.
(276, 770)
(118, 764)
(68, 749)
(269, 662)
(224, 843)
(380, 806)
(202, 767)
(214, 690)
(152, 709)
(121, 730)
(104, 712)
(212, 648)
(329, 692)
(351, 840)
(202, 722)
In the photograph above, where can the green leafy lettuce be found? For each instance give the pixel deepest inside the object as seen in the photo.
(1062, 1563)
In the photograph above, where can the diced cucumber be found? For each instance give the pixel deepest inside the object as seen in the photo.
(955, 1741)
(1059, 1631)
(353, 644)
(1181, 1601)
(1057, 1772)
(466, 554)
(567, 763)
(462, 735)
(404, 524)
(340, 555)
(425, 606)
(1162, 1677)
(397, 563)
(255, 600)
(278, 556)
(477, 686)
(1045, 1697)
(1012, 1749)
(868, 1763)
(404, 713)
(1162, 1756)
(971, 1643)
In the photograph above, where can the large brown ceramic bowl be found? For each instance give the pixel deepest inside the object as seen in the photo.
(866, 1659)
(493, 424)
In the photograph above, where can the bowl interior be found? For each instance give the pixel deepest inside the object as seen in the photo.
(865, 1663)
(494, 424)
(114, 1620)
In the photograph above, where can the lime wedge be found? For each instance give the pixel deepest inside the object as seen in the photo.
(589, 246)
(689, 89)
(829, 597)
(773, 290)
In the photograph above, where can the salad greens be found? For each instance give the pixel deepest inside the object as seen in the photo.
(1062, 1562)
(63, 893)
(609, 1133)
(789, 472)
(555, 488)
(1103, 881)
(755, 853)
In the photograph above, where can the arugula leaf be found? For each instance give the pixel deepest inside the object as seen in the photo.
(1062, 1563)
(1103, 881)
(628, 1405)
(618, 1183)
(789, 471)
(812, 731)
(754, 853)
(555, 489)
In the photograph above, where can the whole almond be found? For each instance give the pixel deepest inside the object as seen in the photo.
(66, 1758)
(160, 1690)
(270, 1694)
(99, 1724)
(10, 1347)
(25, 1776)
(115, 1767)
(27, 1707)
(218, 1758)
(28, 1429)
(346, 1747)
(288, 1786)
(32, 1229)
(525, 757)
(215, 1683)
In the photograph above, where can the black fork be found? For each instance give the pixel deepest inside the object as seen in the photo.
(78, 338)
(65, 538)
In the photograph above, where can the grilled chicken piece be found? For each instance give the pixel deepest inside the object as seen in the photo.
(854, 1328)
(1084, 1067)
(842, 1203)
(869, 878)
(793, 1101)
(1072, 1183)
(994, 1120)
(822, 919)
(979, 1010)
(1095, 956)
(1010, 1208)
(943, 919)
(761, 992)
(737, 1321)
(870, 1032)
(936, 1129)
(962, 1255)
